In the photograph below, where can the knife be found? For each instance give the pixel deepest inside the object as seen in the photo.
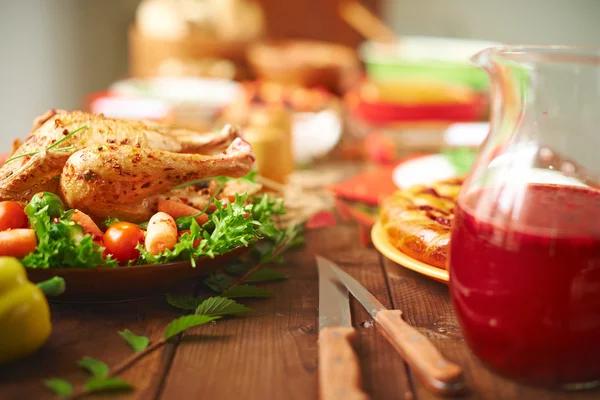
(438, 374)
(339, 370)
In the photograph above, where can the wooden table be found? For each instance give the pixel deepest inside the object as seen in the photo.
(272, 353)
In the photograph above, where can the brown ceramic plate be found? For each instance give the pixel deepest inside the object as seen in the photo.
(129, 283)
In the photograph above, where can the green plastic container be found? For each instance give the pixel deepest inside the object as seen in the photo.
(414, 57)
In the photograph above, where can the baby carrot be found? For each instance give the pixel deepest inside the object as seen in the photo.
(17, 242)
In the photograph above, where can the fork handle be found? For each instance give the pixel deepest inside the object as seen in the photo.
(339, 370)
(438, 374)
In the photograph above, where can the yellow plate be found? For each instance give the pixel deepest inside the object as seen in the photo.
(381, 242)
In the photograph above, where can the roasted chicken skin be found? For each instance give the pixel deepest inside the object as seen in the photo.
(192, 142)
(39, 171)
(125, 182)
(38, 168)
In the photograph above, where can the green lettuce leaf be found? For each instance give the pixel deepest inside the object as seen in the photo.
(61, 243)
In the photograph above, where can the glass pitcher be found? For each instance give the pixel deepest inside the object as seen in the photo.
(525, 249)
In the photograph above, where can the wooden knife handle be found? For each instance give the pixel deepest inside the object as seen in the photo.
(439, 375)
(339, 370)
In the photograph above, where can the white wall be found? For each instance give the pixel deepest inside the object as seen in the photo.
(54, 52)
(574, 22)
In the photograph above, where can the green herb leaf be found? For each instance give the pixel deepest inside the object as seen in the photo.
(95, 367)
(66, 137)
(183, 302)
(137, 343)
(221, 306)
(271, 250)
(265, 275)
(296, 241)
(187, 321)
(110, 221)
(238, 267)
(106, 384)
(218, 282)
(68, 148)
(59, 387)
(21, 156)
(246, 291)
(461, 159)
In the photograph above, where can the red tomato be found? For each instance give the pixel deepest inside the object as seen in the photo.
(12, 216)
(121, 240)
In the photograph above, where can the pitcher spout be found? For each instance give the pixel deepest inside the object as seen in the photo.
(482, 59)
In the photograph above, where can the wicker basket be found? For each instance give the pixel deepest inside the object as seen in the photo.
(147, 54)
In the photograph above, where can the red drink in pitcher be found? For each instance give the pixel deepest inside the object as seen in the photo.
(525, 281)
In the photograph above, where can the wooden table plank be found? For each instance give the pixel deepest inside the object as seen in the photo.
(426, 304)
(269, 354)
(384, 374)
(91, 330)
(272, 354)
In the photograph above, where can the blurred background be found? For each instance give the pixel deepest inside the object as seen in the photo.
(394, 71)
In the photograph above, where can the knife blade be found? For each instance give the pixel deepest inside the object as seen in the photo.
(339, 370)
(437, 373)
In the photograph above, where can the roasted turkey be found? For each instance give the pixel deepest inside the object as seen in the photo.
(118, 168)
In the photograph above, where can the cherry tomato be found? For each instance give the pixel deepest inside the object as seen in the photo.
(12, 216)
(196, 242)
(121, 240)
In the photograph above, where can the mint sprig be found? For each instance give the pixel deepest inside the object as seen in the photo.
(242, 291)
(181, 324)
(137, 343)
(106, 384)
(59, 387)
(265, 275)
(95, 367)
(221, 306)
(188, 303)
(218, 282)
